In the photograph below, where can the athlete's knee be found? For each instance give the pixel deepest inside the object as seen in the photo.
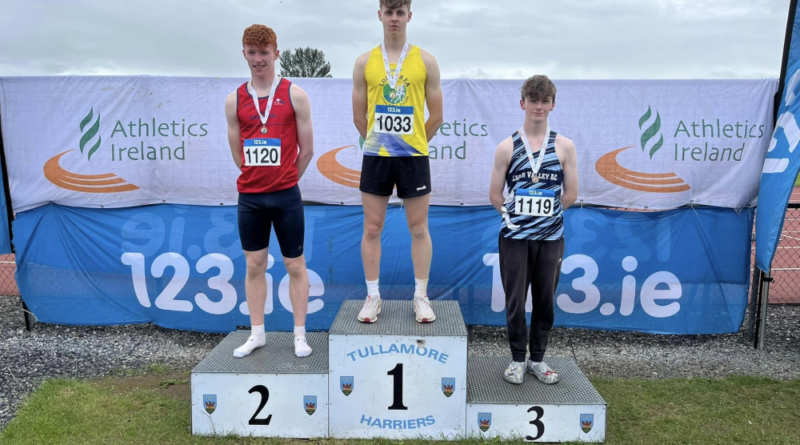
(419, 231)
(295, 266)
(373, 230)
(256, 265)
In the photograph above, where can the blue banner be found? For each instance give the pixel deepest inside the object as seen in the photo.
(783, 161)
(683, 271)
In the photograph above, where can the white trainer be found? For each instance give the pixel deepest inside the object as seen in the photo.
(369, 312)
(423, 310)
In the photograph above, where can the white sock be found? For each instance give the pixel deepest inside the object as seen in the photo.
(533, 363)
(301, 348)
(420, 288)
(372, 289)
(256, 340)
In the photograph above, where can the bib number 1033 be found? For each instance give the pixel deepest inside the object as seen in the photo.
(394, 120)
(262, 152)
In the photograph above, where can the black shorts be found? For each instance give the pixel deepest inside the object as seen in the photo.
(411, 174)
(259, 211)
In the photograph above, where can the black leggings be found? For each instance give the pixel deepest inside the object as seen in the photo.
(534, 264)
(259, 211)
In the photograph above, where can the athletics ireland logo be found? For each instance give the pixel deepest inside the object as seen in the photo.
(651, 131)
(651, 139)
(88, 144)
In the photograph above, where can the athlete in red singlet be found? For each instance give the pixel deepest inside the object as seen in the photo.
(272, 143)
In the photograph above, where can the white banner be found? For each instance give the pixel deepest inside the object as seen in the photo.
(130, 141)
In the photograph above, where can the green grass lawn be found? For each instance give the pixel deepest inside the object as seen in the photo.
(155, 409)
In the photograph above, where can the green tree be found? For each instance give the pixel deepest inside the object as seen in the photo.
(304, 62)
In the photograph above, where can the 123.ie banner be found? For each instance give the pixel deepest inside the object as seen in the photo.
(682, 271)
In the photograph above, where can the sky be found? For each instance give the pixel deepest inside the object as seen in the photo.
(497, 39)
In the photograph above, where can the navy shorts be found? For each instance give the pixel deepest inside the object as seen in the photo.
(411, 175)
(284, 209)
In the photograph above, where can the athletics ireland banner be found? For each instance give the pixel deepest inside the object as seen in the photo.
(783, 158)
(130, 141)
(683, 271)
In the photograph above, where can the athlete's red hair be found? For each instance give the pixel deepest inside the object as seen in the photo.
(260, 36)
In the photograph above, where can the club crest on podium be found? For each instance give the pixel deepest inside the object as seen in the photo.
(346, 384)
(448, 385)
(484, 421)
(210, 403)
(587, 422)
(310, 404)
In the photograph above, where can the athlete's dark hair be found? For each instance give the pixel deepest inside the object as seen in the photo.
(260, 36)
(538, 87)
(394, 4)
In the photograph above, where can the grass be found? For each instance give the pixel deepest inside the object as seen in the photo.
(155, 408)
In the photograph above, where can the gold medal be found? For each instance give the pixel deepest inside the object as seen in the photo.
(535, 179)
(264, 130)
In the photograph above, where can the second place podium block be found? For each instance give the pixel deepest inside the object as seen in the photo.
(268, 393)
(397, 378)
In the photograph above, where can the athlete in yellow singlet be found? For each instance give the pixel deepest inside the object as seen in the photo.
(392, 84)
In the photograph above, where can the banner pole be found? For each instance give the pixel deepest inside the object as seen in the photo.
(755, 290)
(762, 322)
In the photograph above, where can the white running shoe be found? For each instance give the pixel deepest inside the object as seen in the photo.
(513, 374)
(423, 310)
(301, 347)
(544, 373)
(369, 312)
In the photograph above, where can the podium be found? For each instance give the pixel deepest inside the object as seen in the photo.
(397, 378)
(394, 379)
(268, 393)
(571, 410)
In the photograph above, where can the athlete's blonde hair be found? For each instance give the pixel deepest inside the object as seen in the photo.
(394, 4)
(538, 87)
(260, 36)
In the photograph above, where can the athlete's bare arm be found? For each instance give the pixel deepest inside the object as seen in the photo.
(567, 155)
(433, 95)
(502, 156)
(360, 95)
(233, 129)
(305, 130)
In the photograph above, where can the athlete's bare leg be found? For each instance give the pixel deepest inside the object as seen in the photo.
(374, 218)
(421, 247)
(255, 288)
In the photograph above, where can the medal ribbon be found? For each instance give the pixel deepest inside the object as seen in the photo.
(392, 77)
(254, 95)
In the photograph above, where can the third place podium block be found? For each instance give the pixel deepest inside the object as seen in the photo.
(397, 378)
(571, 410)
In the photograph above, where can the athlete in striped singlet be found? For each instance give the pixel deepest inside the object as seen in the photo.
(539, 167)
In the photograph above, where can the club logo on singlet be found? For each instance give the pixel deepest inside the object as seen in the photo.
(396, 95)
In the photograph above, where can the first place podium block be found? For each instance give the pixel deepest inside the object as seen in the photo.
(571, 410)
(268, 393)
(397, 378)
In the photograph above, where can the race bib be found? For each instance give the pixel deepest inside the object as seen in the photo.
(394, 120)
(533, 202)
(262, 152)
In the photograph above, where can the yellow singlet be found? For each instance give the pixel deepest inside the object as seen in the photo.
(396, 117)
